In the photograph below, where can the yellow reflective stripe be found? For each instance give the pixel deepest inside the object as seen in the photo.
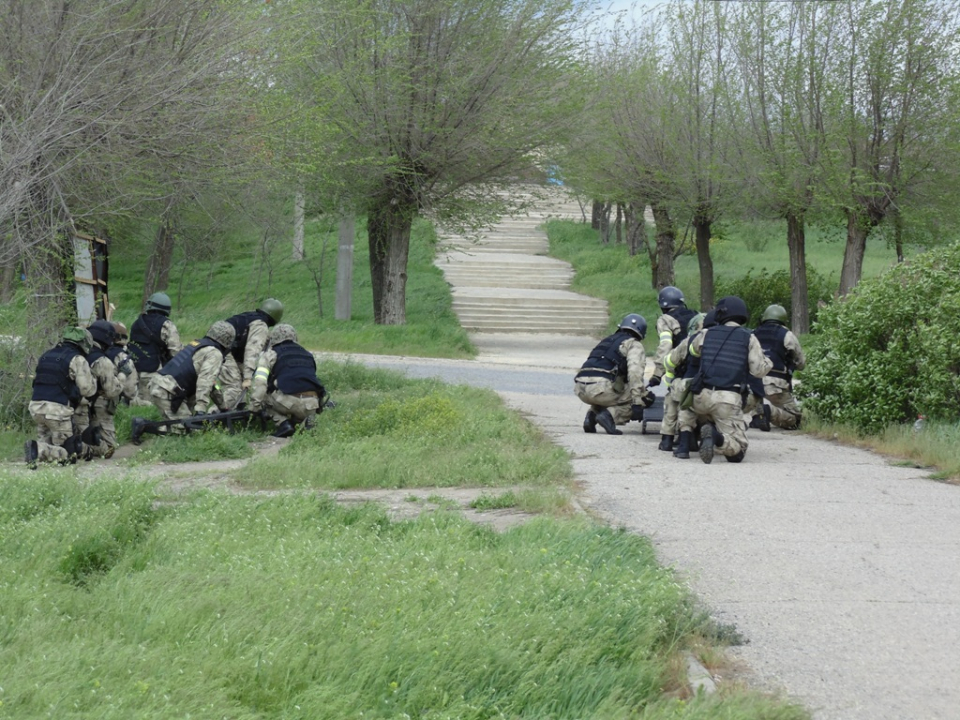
(261, 372)
(666, 335)
(668, 364)
(693, 351)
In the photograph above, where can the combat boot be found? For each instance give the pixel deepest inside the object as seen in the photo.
(31, 453)
(736, 458)
(91, 437)
(590, 422)
(606, 421)
(285, 430)
(682, 450)
(74, 447)
(765, 419)
(666, 443)
(710, 438)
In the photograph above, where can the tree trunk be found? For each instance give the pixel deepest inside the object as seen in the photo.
(857, 232)
(346, 235)
(636, 229)
(605, 223)
(595, 211)
(298, 203)
(161, 257)
(898, 235)
(663, 272)
(799, 298)
(7, 281)
(701, 227)
(388, 231)
(618, 224)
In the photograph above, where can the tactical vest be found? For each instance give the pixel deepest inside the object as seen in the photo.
(295, 370)
(692, 363)
(241, 323)
(606, 360)
(724, 356)
(52, 382)
(771, 336)
(181, 367)
(683, 316)
(146, 347)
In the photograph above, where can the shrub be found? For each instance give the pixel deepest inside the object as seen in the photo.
(759, 290)
(890, 350)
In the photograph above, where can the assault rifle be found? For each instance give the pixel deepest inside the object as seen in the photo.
(232, 420)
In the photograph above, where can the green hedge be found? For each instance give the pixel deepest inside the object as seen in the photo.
(762, 289)
(890, 350)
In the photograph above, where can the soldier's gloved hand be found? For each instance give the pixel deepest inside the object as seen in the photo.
(654, 381)
(649, 399)
(246, 384)
(636, 412)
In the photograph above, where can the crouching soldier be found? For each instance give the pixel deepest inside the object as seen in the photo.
(783, 349)
(285, 383)
(186, 385)
(252, 338)
(154, 340)
(93, 418)
(62, 379)
(126, 370)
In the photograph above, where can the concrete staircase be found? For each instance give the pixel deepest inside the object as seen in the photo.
(503, 282)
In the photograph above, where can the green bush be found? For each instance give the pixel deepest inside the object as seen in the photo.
(890, 350)
(759, 290)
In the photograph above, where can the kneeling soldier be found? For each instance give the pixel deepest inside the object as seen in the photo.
(285, 383)
(94, 417)
(184, 386)
(62, 379)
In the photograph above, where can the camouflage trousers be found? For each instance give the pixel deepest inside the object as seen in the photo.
(102, 417)
(143, 389)
(724, 408)
(603, 394)
(230, 381)
(295, 408)
(54, 424)
(785, 411)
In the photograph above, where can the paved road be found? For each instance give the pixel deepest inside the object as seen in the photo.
(840, 569)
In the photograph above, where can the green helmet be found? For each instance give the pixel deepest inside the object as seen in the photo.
(80, 337)
(775, 313)
(222, 332)
(281, 333)
(158, 302)
(696, 324)
(273, 308)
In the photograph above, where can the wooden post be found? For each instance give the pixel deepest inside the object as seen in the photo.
(346, 236)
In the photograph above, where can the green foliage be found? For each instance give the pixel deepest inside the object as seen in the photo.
(294, 607)
(389, 431)
(890, 351)
(761, 289)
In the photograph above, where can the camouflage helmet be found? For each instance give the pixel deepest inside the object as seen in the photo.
(774, 313)
(670, 297)
(122, 334)
(80, 337)
(223, 333)
(103, 333)
(635, 324)
(158, 302)
(282, 333)
(696, 324)
(273, 308)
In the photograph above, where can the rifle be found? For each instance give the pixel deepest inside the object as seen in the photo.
(230, 419)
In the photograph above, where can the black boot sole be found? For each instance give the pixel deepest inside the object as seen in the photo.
(706, 443)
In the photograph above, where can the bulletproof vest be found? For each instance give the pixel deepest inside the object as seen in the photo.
(683, 316)
(241, 323)
(771, 336)
(181, 367)
(606, 355)
(52, 382)
(724, 356)
(692, 363)
(113, 351)
(295, 370)
(146, 347)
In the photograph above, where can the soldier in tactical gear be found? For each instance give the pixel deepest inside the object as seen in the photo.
(676, 366)
(154, 340)
(252, 336)
(285, 383)
(671, 330)
(93, 418)
(686, 367)
(611, 380)
(727, 352)
(126, 370)
(62, 380)
(186, 385)
(783, 349)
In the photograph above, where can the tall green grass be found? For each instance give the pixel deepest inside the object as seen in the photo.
(293, 607)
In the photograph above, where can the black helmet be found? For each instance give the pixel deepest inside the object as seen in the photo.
(635, 324)
(710, 319)
(670, 297)
(732, 308)
(774, 313)
(158, 302)
(103, 333)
